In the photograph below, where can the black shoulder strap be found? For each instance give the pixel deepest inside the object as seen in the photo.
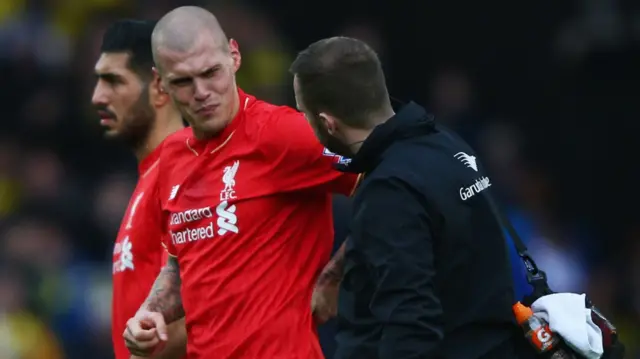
(536, 277)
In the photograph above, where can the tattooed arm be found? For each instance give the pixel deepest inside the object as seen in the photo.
(324, 302)
(147, 332)
(165, 294)
(333, 271)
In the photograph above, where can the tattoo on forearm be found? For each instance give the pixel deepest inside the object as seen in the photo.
(333, 271)
(165, 294)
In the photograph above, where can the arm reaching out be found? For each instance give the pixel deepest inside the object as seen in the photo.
(146, 333)
(324, 302)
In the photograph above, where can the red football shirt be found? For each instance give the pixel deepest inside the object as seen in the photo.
(248, 216)
(137, 254)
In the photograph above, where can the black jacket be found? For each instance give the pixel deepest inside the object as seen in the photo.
(426, 268)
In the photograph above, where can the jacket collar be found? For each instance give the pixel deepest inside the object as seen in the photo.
(412, 120)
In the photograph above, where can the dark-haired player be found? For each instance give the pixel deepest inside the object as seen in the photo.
(426, 273)
(132, 108)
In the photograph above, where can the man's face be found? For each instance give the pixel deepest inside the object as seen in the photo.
(201, 83)
(321, 125)
(122, 99)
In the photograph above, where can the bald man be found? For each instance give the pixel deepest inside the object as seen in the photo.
(246, 192)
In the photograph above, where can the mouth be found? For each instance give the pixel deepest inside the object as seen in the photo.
(106, 118)
(206, 110)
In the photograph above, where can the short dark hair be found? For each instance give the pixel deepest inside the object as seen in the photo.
(132, 37)
(342, 76)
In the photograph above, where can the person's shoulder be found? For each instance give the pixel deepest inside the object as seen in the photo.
(433, 165)
(175, 142)
(172, 149)
(272, 123)
(398, 162)
(264, 113)
(178, 136)
(442, 152)
(410, 165)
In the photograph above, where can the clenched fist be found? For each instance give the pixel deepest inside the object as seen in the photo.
(146, 333)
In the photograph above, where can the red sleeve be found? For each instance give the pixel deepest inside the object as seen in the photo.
(167, 243)
(162, 193)
(299, 160)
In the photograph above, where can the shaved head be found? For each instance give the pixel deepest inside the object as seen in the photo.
(180, 29)
(197, 65)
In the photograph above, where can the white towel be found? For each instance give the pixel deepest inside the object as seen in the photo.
(567, 316)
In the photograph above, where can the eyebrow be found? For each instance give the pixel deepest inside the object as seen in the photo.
(215, 67)
(180, 79)
(108, 76)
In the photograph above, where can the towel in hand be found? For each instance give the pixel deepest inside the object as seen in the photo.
(568, 316)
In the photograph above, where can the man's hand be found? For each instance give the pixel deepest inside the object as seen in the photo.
(146, 333)
(324, 302)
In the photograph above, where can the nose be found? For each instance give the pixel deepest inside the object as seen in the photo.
(200, 92)
(99, 97)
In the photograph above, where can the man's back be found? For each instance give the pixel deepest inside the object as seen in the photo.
(441, 282)
(473, 276)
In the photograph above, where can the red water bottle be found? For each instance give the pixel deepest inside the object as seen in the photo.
(537, 333)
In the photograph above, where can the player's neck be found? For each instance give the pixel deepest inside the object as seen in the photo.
(161, 129)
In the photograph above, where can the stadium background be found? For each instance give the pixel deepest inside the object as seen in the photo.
(544, 90)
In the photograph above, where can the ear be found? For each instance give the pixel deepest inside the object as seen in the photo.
(159, 96)
(157, 77)
(235, 54)
(329, 122)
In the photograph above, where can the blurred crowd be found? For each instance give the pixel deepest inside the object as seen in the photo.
(549, 113)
